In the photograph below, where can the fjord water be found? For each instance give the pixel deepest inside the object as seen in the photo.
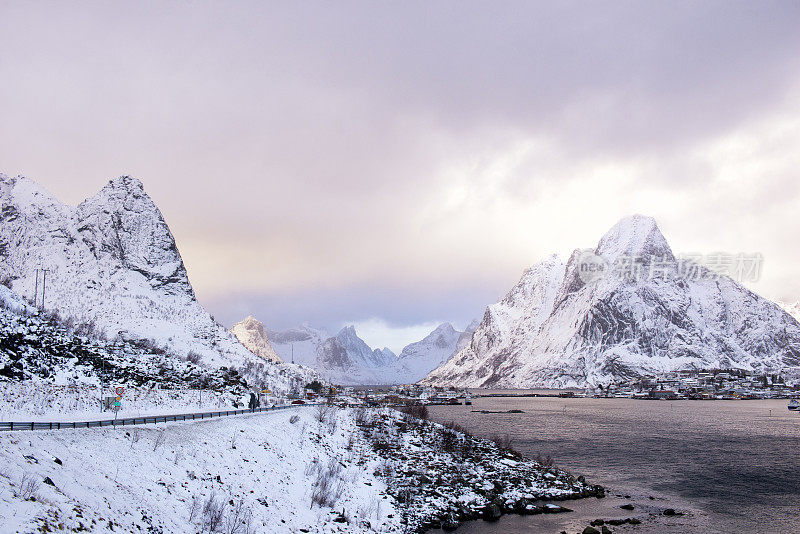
(731, 465)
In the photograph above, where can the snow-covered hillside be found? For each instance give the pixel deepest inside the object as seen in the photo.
(346, 359)
(562, 326)
(261, 473)
(112, 263)
(39, 347)
(250, 333)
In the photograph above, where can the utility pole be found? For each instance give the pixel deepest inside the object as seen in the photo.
(292, 352)
(36, 291)
(44, 284)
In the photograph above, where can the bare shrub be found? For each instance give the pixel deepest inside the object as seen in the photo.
(420, 411)
(194, 508)
(448, 440)
(504, 441)
(213, 512)
(452, 425)
(87, 328)
(6, 280)
(135, 436)
(28, 487)
(193, 357)
(294, 419)
(322, 413)
(361, 416)
(327, 485)
(161, 437)
(69, 323)
(239, 519)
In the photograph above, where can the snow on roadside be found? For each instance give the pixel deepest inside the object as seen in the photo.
(163, 478)
(43, 402)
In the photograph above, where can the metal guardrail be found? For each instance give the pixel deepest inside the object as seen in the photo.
(128, 421)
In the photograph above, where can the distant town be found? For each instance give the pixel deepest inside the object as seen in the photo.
(729, 384)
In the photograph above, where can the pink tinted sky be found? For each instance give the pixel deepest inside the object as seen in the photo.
(399, 164)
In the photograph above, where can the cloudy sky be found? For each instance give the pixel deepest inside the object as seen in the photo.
(396, 164)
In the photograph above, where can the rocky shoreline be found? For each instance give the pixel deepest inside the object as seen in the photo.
(441, 476)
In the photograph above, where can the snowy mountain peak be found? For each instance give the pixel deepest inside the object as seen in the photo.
(636, 235)
(127, 183)
(348, 332)
(443, 336)
(554, 329)
(112, 261)
(250, 333)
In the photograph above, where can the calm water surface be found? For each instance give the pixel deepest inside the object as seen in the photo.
(731, 465)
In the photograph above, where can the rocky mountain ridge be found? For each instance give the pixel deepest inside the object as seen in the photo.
(346, 359)
(112, 262)
(601, 317)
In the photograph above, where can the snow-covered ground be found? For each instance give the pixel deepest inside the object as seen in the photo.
(305, 469)
(38, 401)
(171, 478)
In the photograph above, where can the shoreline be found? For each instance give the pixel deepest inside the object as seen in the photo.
(475, 478)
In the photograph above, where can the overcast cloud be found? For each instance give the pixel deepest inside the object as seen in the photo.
(400, 164)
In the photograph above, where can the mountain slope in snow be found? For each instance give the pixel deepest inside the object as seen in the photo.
(112, 261)
(342, 359)
(299, 344)
(43, 349)
(250, 333)
(560, 326)
(792, 309)
(418, 359)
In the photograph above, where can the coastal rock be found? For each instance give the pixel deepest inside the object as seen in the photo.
(492, 512)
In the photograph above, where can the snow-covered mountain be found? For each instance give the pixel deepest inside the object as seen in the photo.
(418, 359)
(299, 344)
(346, 359)
(466, 336)
(572, 324)
(250, 333)
(342, 359)
(113, 262)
